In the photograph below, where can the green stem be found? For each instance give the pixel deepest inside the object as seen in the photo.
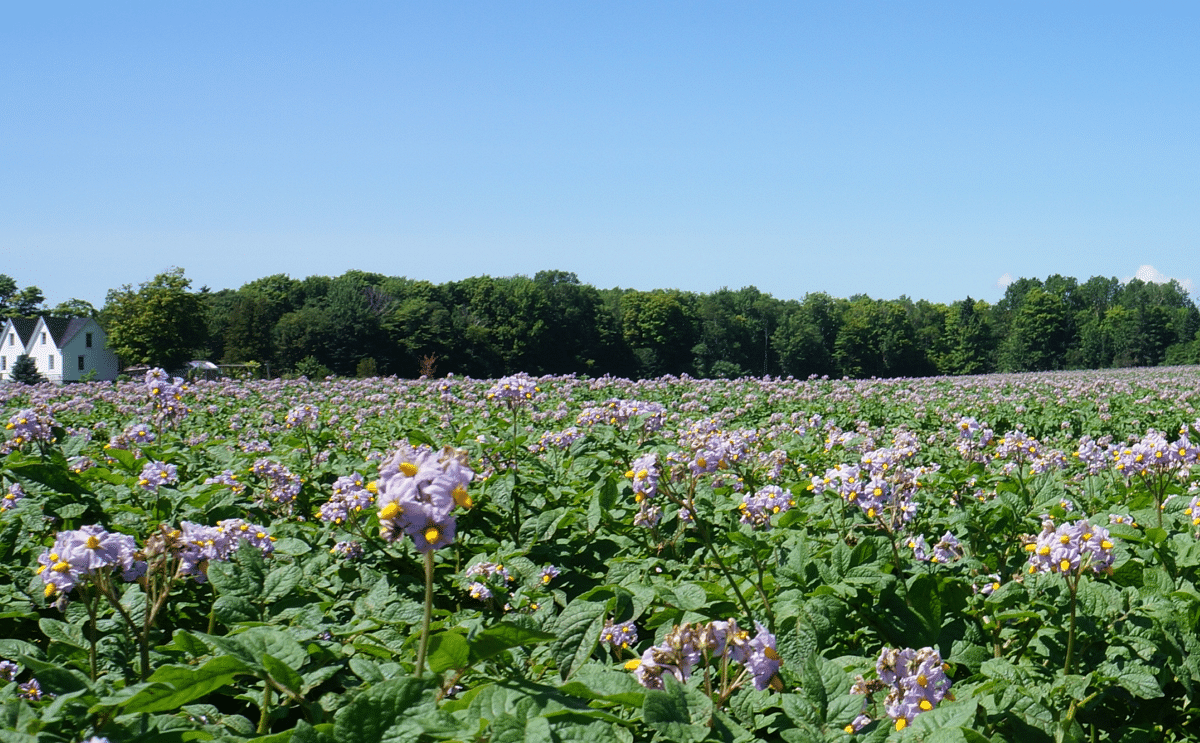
(702, 528)
(92, 607)
(427, 618)
(1074, 585)
(516, 498)
(899, 569)
(264, 718)
(212, 612)
(763, 591)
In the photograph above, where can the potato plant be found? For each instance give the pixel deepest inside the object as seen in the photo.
(997, 558)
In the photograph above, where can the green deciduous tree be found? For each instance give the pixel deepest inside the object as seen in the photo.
(161, 323)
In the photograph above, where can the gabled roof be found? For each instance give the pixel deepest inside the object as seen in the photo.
(24, 327)
(63, 329)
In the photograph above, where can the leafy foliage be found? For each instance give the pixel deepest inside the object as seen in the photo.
(664, 505)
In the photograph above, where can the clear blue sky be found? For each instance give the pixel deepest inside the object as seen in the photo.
(884, 148)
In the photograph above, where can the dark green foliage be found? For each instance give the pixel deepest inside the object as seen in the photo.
(25, 371)
(553, 324)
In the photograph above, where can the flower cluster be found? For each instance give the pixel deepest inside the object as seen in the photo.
(561, 440)
(916, 681)
(8, 670)
(517, 389)
(973, 440)
(947, 549)
(757, 508)
(80, 553)
(1193, 510)
(1153, 453)
(282, 485)
(197, 545)
(350, 496)
(618, 413)
(644, 474)
(619, 636)
(29, 425)
(302, 415)
(486, 578)
(687, 645)
(347, 550)
(229, 479)
(166, 394)
(418, 489)
(1070, 548)
(140, 434)
(10, 499)
(156, 474)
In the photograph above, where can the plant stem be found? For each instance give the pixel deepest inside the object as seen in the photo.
(1074, 584)
(703, 529)
(264, 718)
(516, 498)
(92, 607)
(426, 619)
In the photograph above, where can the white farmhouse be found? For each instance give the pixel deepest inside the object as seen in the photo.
(64, 349)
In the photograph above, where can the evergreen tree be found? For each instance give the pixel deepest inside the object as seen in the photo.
(25, 371)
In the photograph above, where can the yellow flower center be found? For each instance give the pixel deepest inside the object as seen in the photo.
(1064, 565)
(925, 705)
(461, 497)
(391, 511)
(408, 468)
(901, 723)
(93, 543)
(432, 534)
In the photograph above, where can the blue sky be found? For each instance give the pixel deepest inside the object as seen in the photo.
(885, 148)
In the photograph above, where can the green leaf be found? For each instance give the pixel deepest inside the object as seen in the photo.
(385, 712)
(690, 597)
(668, 711)
(283, 674)
(172, 686)
(10, 648)
(367, 670)
(448, 650)
(577, 631)
(498, 638)
(230, 609)
(292, 546)
(1139, 682)
(70, 510)
(230, 580)
(946, 715)
(280, 582)
(63, 632)
(956, 735)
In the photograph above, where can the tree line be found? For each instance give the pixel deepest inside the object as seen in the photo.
(369, 324)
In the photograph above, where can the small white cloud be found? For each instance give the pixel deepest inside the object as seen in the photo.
(1152, 275)
(1004, 280)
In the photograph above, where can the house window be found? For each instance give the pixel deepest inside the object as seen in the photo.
(43, 337)
(80, 363)
(12, 338)
(50, 362)
(3, 363)
(87, 341)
